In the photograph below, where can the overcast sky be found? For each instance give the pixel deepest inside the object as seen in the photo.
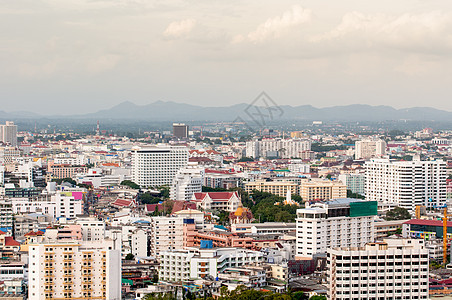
(75, 56)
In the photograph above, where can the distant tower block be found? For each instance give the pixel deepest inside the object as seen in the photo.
(180, 130)
(8, 133)
(98, 128)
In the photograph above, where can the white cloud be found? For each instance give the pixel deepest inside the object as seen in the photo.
(179, 28)
(274, 27)
(426, 32)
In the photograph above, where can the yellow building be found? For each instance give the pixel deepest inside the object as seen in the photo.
(279, 188)
(323, 190)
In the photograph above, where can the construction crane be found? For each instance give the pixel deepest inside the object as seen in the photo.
(445, 235)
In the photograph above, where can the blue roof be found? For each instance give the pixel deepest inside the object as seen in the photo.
(142, 222)
(220, 227)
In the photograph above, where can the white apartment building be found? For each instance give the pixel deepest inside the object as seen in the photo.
(158, 165)
(283, 148)
(140, 242)
(6, 213)
(93, 229)
(406, 183)
(74, 270)
(196, 263)
(8, 154)
(167, 233)
(366, 149)
(8, 133)
(55, 206)
(297, 165)
(187, 181)
(336, 223)
(279, 228)
(393, 269)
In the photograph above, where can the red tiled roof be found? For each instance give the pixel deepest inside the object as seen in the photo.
(123, 202)
(2, 232)
(220, 171)
(150, 208)
(34, 233)
(427, 222)
(9, 241)
(181, 205)
(218, 196)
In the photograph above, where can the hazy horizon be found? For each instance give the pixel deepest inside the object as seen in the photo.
(81, 56)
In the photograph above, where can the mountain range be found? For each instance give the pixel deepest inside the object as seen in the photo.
(172, 111)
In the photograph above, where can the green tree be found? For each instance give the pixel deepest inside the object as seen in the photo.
(398, 213)
(148, 198)
(350, 194)
(317, 297)
(67, 179)
(130, 256)
(130, 184)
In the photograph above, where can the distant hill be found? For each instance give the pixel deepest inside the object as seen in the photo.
(172, 111)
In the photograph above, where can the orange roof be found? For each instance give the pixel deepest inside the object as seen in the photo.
(35, 233)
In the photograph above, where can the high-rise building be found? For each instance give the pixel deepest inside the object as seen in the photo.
(366, 149)
(74, 270)
(158, 165)
(180, 130)
(8, 133)
(406, 183)
(393, 269)
(188, 181)
(336, 223)
(167, 233)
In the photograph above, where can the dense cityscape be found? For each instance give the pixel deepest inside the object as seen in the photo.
(217, 211)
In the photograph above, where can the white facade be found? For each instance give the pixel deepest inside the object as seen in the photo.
(366, 149)
(8, 133)
(55, 206)
(140, 242)
(167, 233)
(298, 166)
(285, 148)
(157, 166)
(187, 181)
(406, 183)
(195, 263)
(74, 270)
(394, 269)
(92, 229)
(323, 226)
